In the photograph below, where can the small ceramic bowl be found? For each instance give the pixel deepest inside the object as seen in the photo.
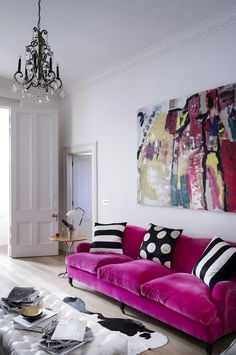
(32, 312)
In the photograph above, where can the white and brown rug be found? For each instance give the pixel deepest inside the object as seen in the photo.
(139, 338)
(231, 350)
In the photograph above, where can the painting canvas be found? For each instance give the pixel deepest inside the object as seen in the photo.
(187, 151)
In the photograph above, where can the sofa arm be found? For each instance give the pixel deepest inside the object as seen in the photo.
(224, 297)
(83, 247)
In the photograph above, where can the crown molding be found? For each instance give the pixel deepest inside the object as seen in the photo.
(186, 38)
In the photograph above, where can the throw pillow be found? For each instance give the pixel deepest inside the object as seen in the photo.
(158, 244)
(217, 262)
(108, 238)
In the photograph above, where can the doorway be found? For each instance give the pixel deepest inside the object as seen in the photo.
(81, 184)
(4, 177)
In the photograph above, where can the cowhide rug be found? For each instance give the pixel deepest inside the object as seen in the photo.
(231, 350)
(138, 337)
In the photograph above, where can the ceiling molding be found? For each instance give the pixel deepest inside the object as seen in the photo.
(184, 39)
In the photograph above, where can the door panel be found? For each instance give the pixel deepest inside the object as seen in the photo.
(34, 183)
(24, 161)
(82, 190)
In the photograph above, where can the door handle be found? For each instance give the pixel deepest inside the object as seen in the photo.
(55, 215)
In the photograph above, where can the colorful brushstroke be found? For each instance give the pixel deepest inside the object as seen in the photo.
(187, 152)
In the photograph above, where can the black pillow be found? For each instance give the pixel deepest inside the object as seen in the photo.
(217, 262)
(108, 238)
(158, 244)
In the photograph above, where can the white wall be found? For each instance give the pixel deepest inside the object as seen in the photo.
(105, 111)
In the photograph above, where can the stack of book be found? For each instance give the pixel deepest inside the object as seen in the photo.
(67, 336)
(20, 297)
(40, 324)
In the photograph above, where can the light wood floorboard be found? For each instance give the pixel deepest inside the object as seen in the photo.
(41, 272)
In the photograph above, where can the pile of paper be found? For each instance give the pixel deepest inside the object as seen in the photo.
(67, 336)
(20, 297)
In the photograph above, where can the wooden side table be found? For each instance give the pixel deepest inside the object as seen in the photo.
(69, 242)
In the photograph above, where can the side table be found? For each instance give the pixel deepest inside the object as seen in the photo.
(69, 242)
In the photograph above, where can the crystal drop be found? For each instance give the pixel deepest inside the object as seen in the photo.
(62, 94)
(14, 88)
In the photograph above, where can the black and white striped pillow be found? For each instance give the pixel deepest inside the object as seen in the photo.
(217, 262)
(108, 238)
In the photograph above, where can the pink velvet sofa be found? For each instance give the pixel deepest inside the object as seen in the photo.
(173, 296)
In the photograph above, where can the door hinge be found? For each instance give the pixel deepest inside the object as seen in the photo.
(72, 162)
(72, 203)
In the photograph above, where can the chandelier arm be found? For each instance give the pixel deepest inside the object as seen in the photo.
(20, 79)
(20, 74)
(60, 83)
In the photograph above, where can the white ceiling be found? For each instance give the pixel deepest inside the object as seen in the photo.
(87, 36)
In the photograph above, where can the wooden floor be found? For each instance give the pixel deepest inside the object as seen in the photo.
(41, 272)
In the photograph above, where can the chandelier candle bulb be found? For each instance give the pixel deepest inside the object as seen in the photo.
(57, 71)
(35, 60)
(19, 64)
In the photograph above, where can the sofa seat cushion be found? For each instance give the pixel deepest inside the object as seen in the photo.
(90, 262)
(184, 294)
(132, 274)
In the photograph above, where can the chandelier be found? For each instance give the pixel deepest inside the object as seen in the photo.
(38, 78)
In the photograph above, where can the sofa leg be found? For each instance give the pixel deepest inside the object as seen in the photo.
(209, 348)
(122, 307)
(70, 281)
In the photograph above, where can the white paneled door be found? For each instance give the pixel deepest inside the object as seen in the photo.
(82, 190)
(34, 183)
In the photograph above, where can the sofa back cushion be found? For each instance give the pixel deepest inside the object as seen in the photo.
(187, 252)
(132, 239)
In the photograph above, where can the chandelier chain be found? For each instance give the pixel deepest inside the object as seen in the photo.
(39, 13)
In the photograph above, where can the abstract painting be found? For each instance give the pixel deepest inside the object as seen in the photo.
(186, 151)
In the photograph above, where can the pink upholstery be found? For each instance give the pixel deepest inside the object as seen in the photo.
(191, 248)
(132, 274)
(224, 297)
(173, 296)
(83, 247)
(208, 333)
(90, 262)
(183, 293)
(132, 239)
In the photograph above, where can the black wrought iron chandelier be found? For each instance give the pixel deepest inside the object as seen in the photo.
(38, 78)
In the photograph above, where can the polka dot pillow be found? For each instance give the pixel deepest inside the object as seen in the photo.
(158, 244)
